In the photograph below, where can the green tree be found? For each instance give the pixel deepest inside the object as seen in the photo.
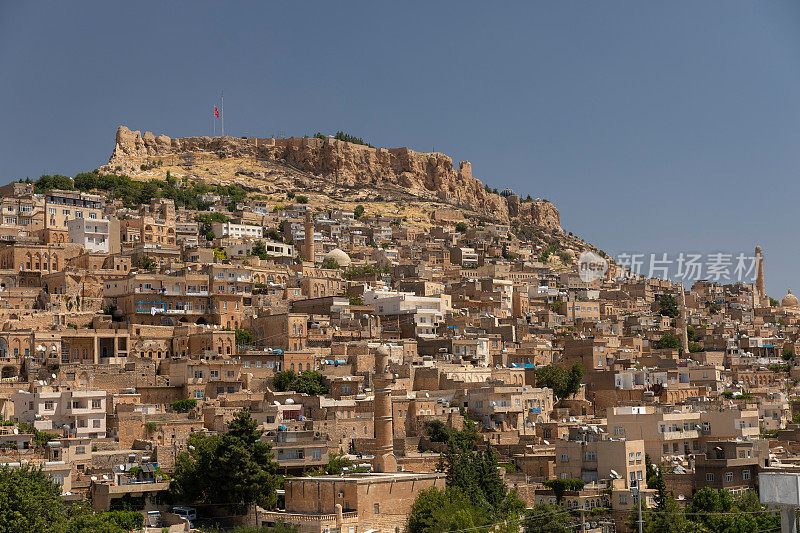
(668, 341)
(310, 382)
(336, 463)
(235, 469)
(57, 181)
(564, 383)
(147, 263)
(667, 306)
(660, 486)
(185, 405)
(259, 250)
(464, 439)
(441, 510)
(560, 486)
(475, 496)
(283, 380)
(330, 263)
(29, 501)
(346, 137)
(694, 347)
(671, 519)
(358, 211)
(461, 227)
(244, 337)
(546, 518)
(787, 353)
(475, 473)
(649, 469)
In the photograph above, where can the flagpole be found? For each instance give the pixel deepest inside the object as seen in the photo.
(222, 111)
(214, 123)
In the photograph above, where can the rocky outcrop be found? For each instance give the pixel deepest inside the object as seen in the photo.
(427, 175)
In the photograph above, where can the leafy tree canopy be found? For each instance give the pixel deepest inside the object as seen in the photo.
(310, 382)
(244, 337)
(31, 502)
(475, 496)
(560, 486)
(564, 383)
(185, 405)
(667, 306)
(235, 469)
(668, 341)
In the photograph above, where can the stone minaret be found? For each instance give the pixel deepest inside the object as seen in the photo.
(684, 322)
(308, 241)
(762, 292)
(384, 460)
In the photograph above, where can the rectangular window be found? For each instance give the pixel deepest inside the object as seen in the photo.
(709, 477)
(198, 395)
(95, 404)
(377, 508)
(728, 477)
(745, 475)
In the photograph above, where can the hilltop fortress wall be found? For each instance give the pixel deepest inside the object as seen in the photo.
(428, 175)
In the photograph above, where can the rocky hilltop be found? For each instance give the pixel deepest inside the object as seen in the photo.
(428, 176)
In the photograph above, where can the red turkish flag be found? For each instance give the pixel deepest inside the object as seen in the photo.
(216, 112)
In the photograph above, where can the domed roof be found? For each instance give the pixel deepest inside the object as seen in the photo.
(341, 258)
(790, 300)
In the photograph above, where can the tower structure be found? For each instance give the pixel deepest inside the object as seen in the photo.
(308, 240)
(384, 460)
(684, 322)
(760, 287)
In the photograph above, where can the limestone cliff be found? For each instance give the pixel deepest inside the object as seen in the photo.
(431, 176)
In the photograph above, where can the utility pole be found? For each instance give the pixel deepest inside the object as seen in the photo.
(639, 492)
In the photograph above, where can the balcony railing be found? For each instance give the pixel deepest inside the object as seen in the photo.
(297, 517)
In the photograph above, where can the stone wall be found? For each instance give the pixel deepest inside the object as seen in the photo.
(431, 176)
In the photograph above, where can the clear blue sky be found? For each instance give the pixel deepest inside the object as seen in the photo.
(652, 126)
